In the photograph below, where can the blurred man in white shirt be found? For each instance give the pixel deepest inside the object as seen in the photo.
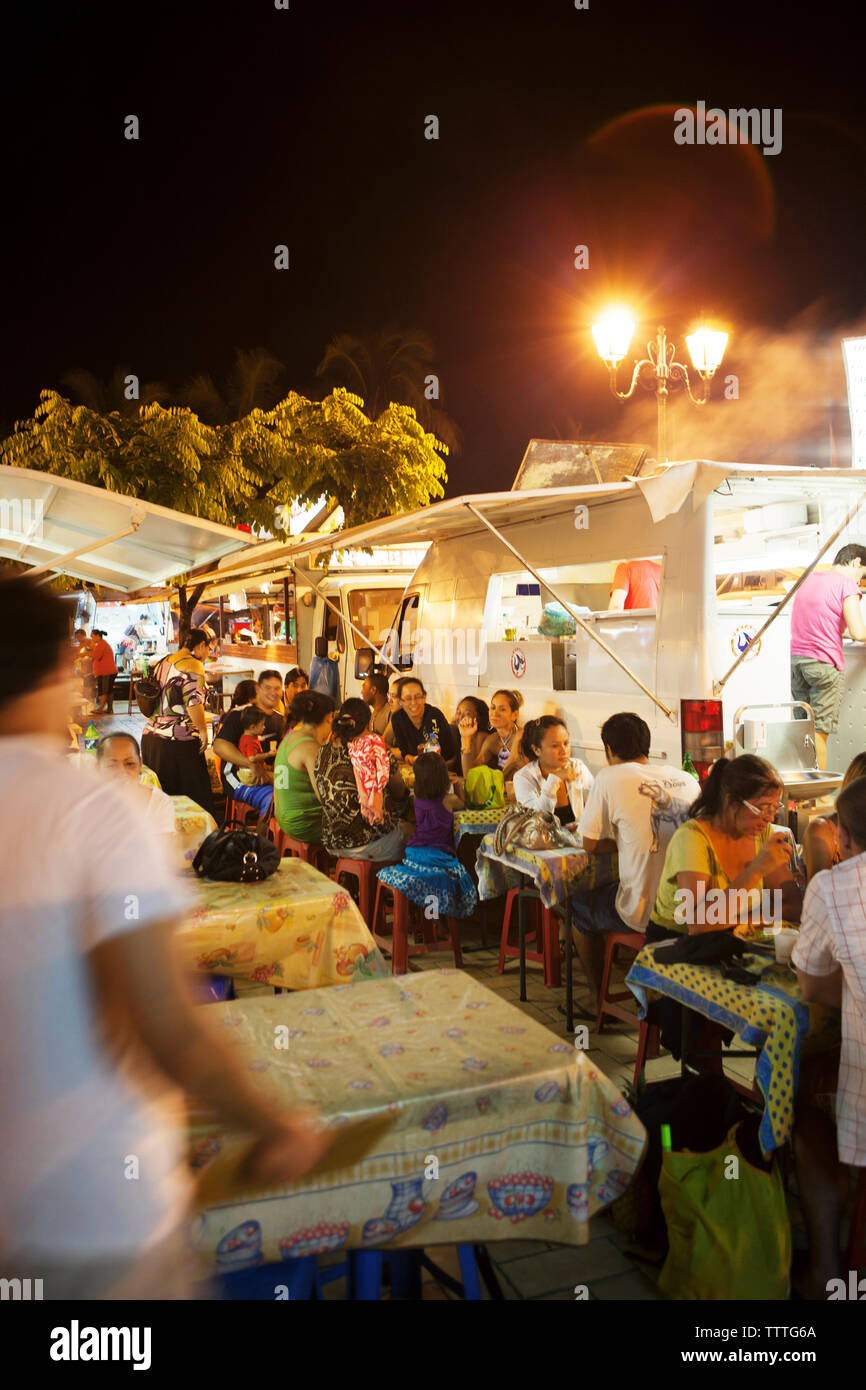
(95, 1024)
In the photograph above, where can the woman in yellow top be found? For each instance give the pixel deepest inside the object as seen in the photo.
(727, 844)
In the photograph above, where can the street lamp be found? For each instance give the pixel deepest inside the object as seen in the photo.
(658, 369)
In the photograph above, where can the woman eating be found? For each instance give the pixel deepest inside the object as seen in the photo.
(551, 780)
(346, 832)
(472, 727)
(421, 728)
(297, 806)
(728, 844)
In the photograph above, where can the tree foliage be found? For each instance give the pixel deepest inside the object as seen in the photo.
(242, 471)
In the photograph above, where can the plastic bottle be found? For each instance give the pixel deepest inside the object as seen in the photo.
(432, 744)
(91, 738)
(688, 766)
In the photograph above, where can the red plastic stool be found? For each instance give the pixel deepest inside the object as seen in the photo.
(364, 871)
(546, 932)
(239, 814)
(857, 1234)
(316, 855)
(633, 941)
(400, 948)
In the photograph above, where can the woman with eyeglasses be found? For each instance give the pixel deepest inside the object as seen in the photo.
(728, 843)
(421, 728)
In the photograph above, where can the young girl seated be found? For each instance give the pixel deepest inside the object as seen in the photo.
(435, 804)
(431, 874)
(370, 762)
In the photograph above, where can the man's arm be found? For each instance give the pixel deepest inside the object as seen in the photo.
(822, 989)
(617, 601)
(854, 618)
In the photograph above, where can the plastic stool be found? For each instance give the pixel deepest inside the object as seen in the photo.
(400, 948)
(609, 1003)
(310, 853)
(239, 813)
(366, 1267)
(364, 871)
(546, 935)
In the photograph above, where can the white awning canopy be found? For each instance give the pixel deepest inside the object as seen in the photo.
(58, 526)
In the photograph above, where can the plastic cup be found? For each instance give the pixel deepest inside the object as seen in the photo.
(510, 634)
(784, 944)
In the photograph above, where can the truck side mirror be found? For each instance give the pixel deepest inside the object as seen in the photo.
(364, 661)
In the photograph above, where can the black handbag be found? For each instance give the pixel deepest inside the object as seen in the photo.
(236, 856)
(147, 695)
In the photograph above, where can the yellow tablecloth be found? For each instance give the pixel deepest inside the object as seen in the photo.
(297, 929)
(192, 825)
(500, 1129)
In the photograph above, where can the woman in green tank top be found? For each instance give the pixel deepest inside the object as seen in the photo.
(297, 807)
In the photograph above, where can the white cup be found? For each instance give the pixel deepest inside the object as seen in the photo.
(784, 944)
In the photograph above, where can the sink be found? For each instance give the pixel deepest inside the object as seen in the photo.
(810, 774)
(804, 783)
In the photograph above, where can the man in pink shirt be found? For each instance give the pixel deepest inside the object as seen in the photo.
(824, 605)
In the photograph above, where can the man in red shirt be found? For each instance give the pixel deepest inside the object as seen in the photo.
(104, 671)
(635, 585)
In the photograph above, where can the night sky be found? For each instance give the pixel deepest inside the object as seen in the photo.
(306, 127)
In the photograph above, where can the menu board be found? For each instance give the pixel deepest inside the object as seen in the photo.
(854, 354)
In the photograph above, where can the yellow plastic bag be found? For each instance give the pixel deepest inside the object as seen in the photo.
(484, 787)
(728, 1228)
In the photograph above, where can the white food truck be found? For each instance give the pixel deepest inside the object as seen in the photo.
(731, 541)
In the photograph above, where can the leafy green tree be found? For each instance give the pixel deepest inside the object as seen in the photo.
(251, 384)
(113, 394)
(394, 364)
(246, 471)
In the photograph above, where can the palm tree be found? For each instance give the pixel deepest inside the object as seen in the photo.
(109, 397)
(250, 384)
(389, 366)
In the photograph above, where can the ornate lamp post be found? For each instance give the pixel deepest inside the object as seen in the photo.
(659, 370)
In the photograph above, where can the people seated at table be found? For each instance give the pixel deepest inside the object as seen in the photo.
(227, 746)
(345, 832)
(174, 739)
(297, 804)
(375, 692)
(821, 837)
(119, 757)
(370, 759)
(728, 844)
(91, 896)
(431, 874)
(421, 728)
(830, 1110)
(632, 810)
(551, 780)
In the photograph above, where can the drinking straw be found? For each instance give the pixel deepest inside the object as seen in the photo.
(666, 1139)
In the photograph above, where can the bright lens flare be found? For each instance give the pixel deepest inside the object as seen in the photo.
(706, 349)
(612, 335)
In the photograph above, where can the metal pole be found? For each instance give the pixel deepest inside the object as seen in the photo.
(719, 685)
(568, 608)
(348, 621)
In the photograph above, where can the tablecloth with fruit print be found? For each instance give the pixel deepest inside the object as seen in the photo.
(296, 929)
(498, 1128)
(192, 825)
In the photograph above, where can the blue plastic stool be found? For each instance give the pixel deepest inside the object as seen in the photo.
(366, 1268)
(302, 1278)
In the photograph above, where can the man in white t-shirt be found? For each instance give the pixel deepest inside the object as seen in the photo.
(96, 1029)
(632, 810)
(830, 1114)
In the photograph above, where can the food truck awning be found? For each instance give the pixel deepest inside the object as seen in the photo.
(58, 526)
(664, 492)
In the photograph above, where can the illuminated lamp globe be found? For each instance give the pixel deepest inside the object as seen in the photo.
(706, 349)
(612, 335)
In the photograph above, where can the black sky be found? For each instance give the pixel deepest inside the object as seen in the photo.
(306, 127)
